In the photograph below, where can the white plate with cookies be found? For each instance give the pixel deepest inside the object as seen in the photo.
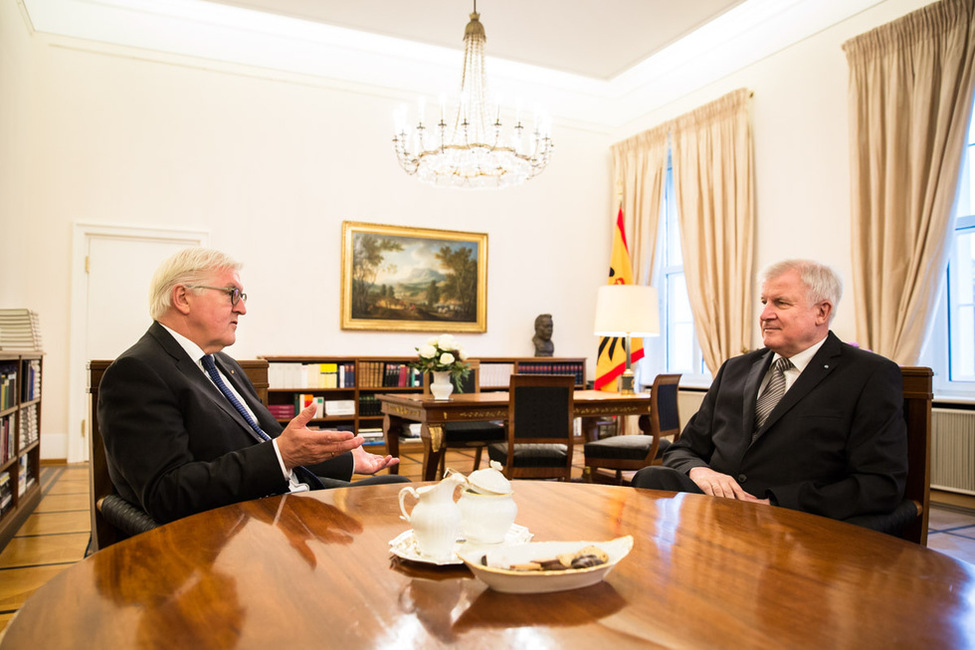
(541, 567)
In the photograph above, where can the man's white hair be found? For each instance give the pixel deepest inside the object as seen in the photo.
(188, 266)
(822, 281)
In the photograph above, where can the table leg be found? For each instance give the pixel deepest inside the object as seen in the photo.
(392, 430)
(590, 428)
(433, 449)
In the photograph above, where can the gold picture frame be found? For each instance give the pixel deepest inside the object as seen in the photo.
(413, 279)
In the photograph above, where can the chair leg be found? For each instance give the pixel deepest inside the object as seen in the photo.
(443, 464)
(477, 456)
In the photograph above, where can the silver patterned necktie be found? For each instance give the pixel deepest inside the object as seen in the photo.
(774, 391)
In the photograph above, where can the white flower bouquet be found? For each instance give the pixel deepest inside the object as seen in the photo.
(442, 354)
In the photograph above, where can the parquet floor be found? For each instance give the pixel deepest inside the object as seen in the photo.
(56, 535)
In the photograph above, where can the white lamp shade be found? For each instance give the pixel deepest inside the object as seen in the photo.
(627, 310)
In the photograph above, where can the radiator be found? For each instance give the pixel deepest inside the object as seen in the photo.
(953, 450)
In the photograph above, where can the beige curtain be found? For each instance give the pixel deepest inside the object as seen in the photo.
(639, 168)
(713, 180)
(910, 93)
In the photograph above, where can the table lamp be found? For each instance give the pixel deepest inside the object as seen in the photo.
(627, 310)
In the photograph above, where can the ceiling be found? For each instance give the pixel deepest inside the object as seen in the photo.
(594, 64)
(591, 38)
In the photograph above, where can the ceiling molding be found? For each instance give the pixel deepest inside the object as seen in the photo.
(346, 58)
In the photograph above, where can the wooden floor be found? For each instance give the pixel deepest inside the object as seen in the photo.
(56, 535)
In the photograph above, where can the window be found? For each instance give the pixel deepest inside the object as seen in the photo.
(950, 348)
(676, 350)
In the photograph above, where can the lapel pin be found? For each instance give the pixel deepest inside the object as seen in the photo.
(826, 366)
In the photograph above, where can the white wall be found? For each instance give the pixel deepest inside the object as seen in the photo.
(272, 166)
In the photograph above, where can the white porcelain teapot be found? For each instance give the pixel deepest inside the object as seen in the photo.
(487, 506)
(436, 517)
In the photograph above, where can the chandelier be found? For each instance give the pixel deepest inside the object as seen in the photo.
(470, 146)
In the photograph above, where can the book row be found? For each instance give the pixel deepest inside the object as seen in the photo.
(311, 375)
(6, 493)
(31, 380)
(303, 400)
(7, 449)
(369, 406)
(30, 430)
(385, 374)
(25, 478)
(8, 386)
(554, 368)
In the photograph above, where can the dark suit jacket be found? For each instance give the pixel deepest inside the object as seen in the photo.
(835, 445)
(175, 444)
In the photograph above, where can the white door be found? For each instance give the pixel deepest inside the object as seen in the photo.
(113, 308)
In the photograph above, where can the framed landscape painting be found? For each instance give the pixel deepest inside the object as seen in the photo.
(419, 279)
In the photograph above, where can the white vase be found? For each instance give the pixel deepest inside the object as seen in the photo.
(441, 386)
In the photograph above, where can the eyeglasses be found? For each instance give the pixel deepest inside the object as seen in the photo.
(236, 295)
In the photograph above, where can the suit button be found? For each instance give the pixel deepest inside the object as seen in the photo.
(742, 478)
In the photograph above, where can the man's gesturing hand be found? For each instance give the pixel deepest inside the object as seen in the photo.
(300, 445)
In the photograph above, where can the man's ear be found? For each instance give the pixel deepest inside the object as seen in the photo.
(824, 310)
(180, 302)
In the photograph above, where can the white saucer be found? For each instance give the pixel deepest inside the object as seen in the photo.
(404, 546)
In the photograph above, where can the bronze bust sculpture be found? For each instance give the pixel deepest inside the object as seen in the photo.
(543, 336)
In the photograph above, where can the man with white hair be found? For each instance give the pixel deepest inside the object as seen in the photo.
(184, 430)
(808, 422)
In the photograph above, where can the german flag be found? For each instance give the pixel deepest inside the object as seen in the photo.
(611, 361)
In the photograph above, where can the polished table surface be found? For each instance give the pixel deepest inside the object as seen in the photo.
(314, 570)
(400, 408)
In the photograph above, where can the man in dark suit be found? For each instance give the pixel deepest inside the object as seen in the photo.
(834, 444)
(175, 440)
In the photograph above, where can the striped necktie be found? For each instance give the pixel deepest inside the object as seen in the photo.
(211, 369)
(774, 391)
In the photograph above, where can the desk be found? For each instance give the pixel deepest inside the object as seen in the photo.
(313, 570)
(398, 409)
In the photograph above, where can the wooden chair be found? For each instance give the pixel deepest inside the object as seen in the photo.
(113, 518)
(632, 452)
(539, 428)
(468, 435)
(910, 520)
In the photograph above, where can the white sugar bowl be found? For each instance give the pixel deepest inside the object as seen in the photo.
(489, 480)
(487, 506)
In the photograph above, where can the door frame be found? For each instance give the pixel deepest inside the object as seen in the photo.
(83, 233)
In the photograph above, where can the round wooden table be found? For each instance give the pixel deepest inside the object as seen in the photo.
(314, 570)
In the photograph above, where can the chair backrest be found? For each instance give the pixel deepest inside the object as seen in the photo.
(540, 408)
(664, 413)
(104, 533)
(918, 396)
(469, 384)
(540, 412)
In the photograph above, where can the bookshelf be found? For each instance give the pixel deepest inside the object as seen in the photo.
(347, 386)
(20, 444)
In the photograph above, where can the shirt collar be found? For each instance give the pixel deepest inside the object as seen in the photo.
(801, 359)
(194, 351)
